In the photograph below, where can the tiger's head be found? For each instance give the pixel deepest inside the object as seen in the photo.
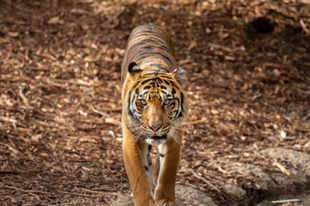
(155, 104)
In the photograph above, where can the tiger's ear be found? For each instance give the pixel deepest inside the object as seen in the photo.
(134, 70)
(179, 74)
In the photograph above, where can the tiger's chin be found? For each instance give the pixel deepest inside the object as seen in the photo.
(156, 140)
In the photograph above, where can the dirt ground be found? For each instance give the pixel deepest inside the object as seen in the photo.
(248, 69)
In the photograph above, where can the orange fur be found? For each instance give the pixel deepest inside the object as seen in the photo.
(153, 109)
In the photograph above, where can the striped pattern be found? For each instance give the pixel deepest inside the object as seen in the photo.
(152, 94)
(161, 87)
(151, 48)
(154, 106)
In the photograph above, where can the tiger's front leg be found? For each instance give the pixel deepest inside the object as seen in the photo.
(168, 158)
(136, 166)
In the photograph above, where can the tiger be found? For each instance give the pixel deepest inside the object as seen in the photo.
(153, 109)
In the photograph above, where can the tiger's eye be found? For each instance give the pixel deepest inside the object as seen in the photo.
(143, 102)
(167, 102)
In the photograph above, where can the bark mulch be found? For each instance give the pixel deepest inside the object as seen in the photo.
(247, 65)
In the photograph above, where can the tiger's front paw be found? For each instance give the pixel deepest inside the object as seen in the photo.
(166, 203)
(146, 202)
(165, 199)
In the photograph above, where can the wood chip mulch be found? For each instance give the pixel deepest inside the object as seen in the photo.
(247, 64)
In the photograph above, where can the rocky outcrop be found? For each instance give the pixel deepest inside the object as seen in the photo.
(185, 196)
(294, 178)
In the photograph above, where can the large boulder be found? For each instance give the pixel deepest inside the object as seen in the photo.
(186, 196)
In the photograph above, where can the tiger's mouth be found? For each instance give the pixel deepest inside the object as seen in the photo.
(156, 140)
(156, 137)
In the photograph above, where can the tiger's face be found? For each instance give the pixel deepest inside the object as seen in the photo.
(156, 106)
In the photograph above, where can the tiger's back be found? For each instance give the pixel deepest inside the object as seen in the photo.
(151, 48)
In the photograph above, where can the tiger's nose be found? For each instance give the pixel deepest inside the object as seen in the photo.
(155, 127)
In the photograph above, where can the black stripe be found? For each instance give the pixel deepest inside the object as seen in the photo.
(165, 48)
(134, 46)
(155, 65)
(155, 71)
(149, 47)
(163, 56)
(174, 85)
(182, 99)
(143, 55)
(139, 43)
(167, 82)
(129, 98)
(133, 99)
(130, 113)
(160, 67)
(146, 81)
(154, 33)
(159, 79)
(173, 91)
(180, 115)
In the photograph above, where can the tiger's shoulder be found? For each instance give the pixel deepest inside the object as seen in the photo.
(151, 48)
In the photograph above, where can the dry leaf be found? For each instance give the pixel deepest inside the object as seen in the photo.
(53, 20)
(13, 34)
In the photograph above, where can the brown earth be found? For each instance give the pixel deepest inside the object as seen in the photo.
(248, 83)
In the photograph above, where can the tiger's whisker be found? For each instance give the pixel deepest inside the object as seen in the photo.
(137, 136)
(177, 139)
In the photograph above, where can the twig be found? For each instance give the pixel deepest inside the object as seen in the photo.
(220, 169)
(77, 194)
(302, 91)
(118, 109)
(285, 201)
(81, 83)
(112, 121)
(7, 119)
(26, 191)
(72, 82)
(25, 100)
(304, 27)
(211, 185)
(282, 168)
(97, 111)
(217, 46)
(206, 181)
(108, 189)
(53, 125)
(199, 121)
(42, 192)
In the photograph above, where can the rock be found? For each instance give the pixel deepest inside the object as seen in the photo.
(302, 200)
(271, 185)
(128, 201)
(192, 197)
(237, 193)
(266, 183)
(186, 196)
(301, 160)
